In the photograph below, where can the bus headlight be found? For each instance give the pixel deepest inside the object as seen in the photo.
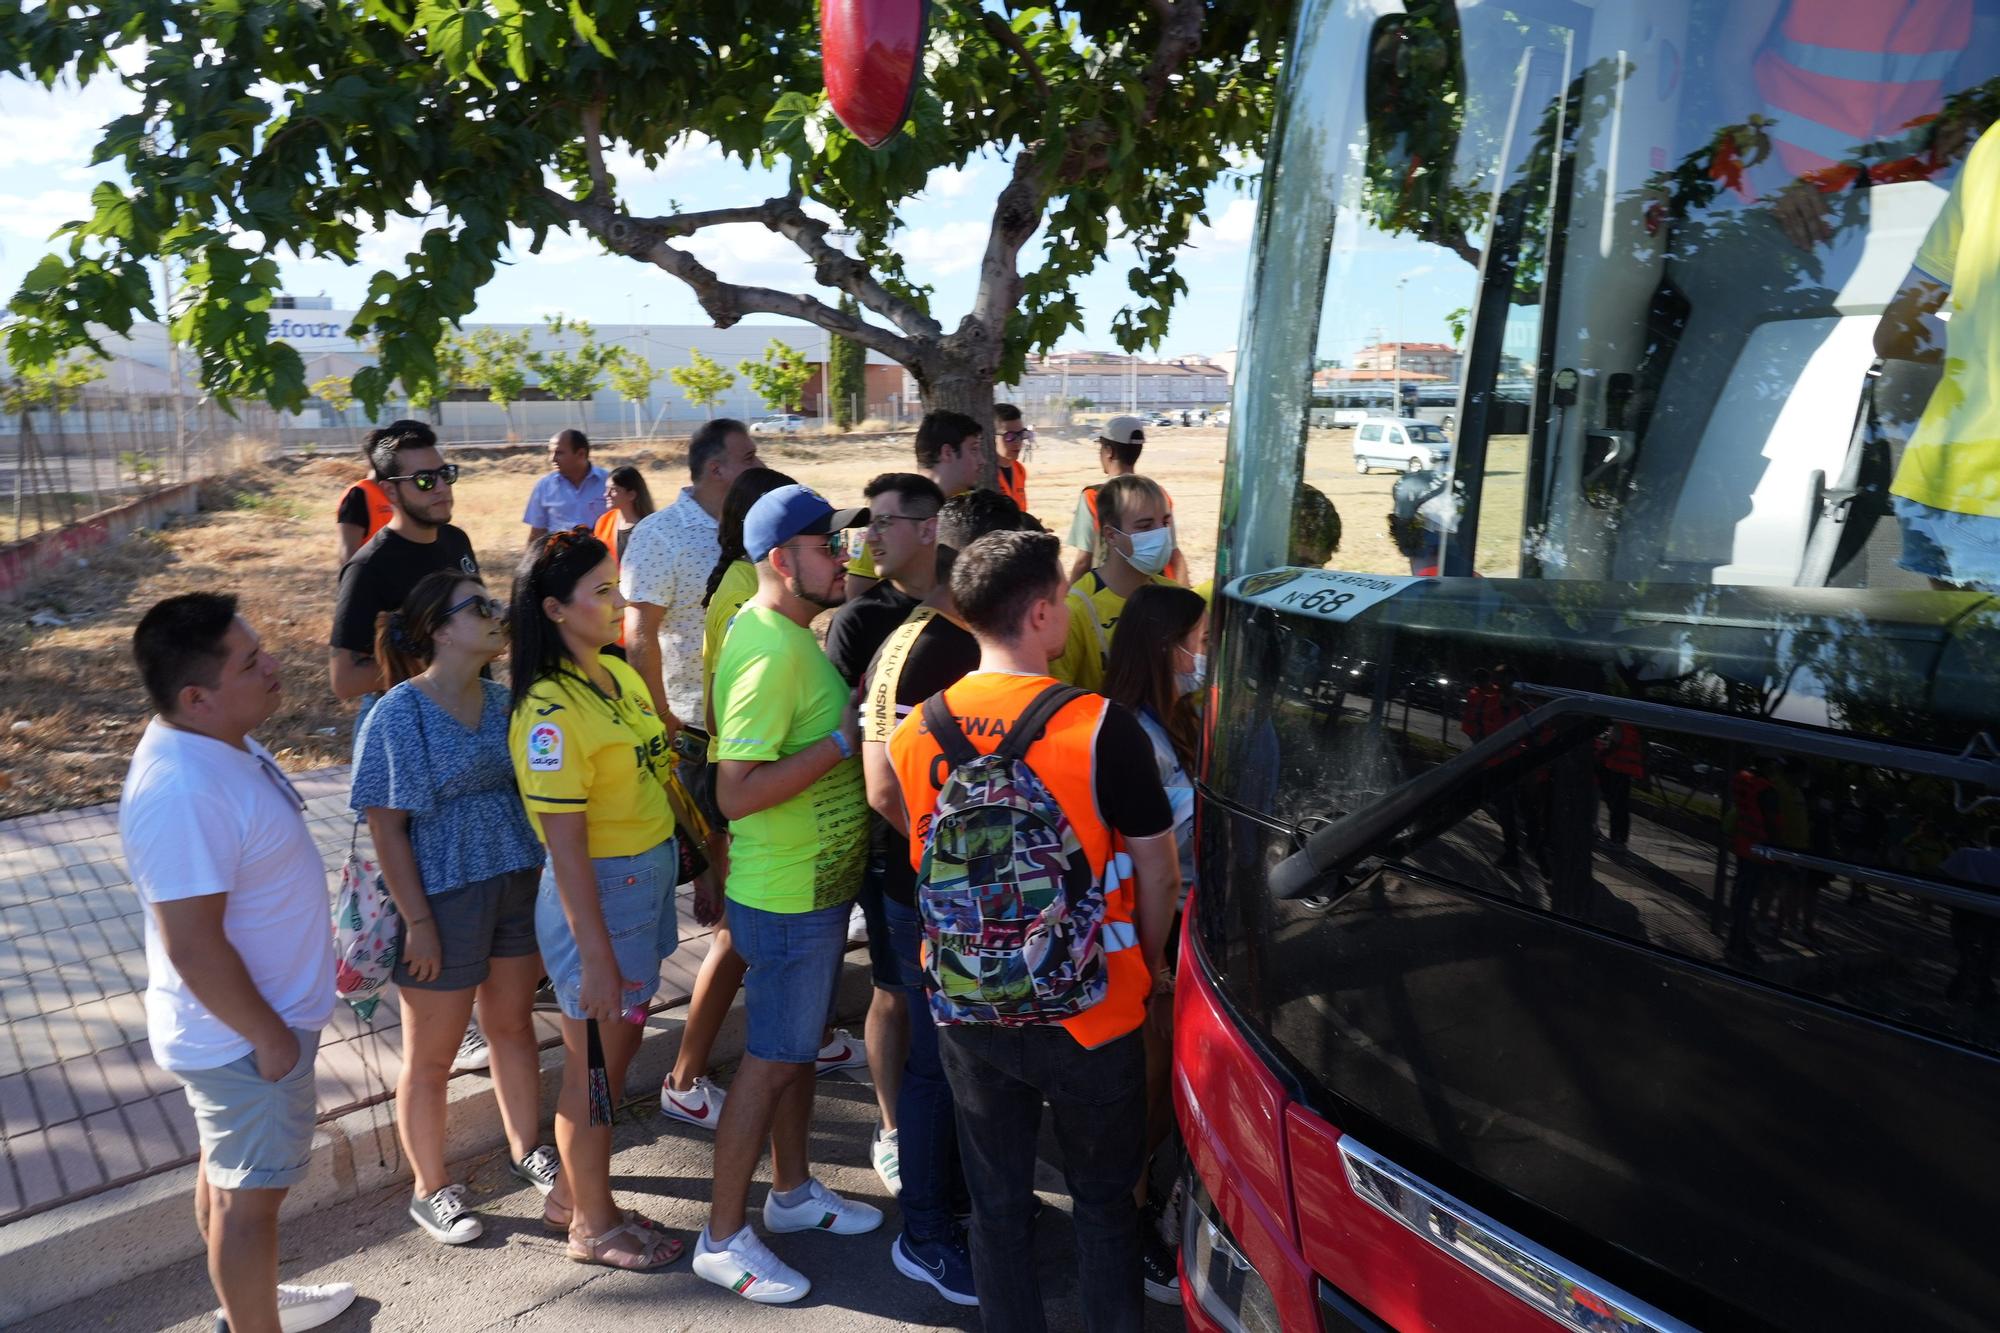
(1225, 1285)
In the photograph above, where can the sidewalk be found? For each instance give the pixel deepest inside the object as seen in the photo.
(83, 1108)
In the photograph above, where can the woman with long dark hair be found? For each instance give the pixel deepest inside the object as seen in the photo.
(591, 757)
(686, 1094)
(434, 779)
(628, 499)
(1159, 662)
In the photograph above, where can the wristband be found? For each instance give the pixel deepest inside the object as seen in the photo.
(841, 744)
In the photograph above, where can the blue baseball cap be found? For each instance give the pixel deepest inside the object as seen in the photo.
(793, 511)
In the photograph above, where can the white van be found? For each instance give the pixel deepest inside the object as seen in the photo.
(1400, 443)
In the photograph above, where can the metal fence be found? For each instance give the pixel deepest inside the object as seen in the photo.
(58, 467)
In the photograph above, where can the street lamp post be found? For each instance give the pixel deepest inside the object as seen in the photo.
(1399, 345)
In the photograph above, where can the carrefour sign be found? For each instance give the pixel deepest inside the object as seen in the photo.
(318, 326)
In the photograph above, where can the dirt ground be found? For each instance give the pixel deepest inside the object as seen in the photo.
(70, 704)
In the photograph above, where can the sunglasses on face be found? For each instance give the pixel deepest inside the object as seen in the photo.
(1011, 435)
(277, 778)
(489, 608)
(834, 544)
(430, 477)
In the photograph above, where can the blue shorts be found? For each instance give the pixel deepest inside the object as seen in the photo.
(636, 895)
(255, 1134)
(793, 961)
(1953, 548)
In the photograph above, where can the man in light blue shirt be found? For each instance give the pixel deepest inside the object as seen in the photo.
(572, 495)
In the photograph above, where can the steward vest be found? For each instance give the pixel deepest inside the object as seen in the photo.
(380, 508)
(1853, 86)
(986, 703)
(1624, 753)
(1013, 478)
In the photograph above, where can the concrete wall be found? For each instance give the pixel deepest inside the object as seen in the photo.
(22, 563)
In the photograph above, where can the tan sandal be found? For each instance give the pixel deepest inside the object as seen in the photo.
(560, 1225)
(644, 1250)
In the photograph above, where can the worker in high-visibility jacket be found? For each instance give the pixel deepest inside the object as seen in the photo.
(1621, 761)
(1752, 820)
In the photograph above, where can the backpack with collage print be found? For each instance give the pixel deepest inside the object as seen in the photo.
(1011, 910)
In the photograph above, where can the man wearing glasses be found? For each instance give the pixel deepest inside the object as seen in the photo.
(419, 538)
(239, 953)
(1014, 439)
(788, 779)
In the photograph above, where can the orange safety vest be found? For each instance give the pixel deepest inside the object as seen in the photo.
(1852, 83)
(1746, 803)
(1013, 479)
(1065, 759)
(380, 508)
(606, 531)
(1624, 752)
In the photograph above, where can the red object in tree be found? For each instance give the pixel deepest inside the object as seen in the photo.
(872, 54)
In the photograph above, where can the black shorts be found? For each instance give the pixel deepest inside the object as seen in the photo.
(492, 918)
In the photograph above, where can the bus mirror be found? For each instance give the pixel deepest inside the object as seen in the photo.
(1416, 102)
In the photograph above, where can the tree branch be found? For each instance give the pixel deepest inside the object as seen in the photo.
(1180, 35)
(724, 302)
(1004, 34)
(593, 149)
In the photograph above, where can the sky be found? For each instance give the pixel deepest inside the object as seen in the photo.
(47, 136)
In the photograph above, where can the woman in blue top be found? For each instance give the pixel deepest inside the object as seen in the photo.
(433, 774)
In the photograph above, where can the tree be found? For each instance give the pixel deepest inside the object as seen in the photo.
(1109, 122)
(572, 373)
(702, 380)
(336, 391)
(494, 361)
(779, 376)
(846, 375)
(429, 395)
(632, 376)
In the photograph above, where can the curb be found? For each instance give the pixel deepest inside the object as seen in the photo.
(147, 1225)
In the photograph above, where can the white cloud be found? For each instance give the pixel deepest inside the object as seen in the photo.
(690, 154)
(60, 126)
(34, 216)
(952, 182)
(1231, 231)
(751, 253)
(949, 247)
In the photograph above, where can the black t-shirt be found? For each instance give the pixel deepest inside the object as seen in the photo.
(1128, 783)
(381, 574)
(353, 509)
(859, 627)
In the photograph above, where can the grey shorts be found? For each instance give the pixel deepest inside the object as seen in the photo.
(493, 918)
(255, 1135)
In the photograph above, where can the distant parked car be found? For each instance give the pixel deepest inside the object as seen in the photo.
(1219, 418)
(787, 424)
(1164, 419)
(1396, 442)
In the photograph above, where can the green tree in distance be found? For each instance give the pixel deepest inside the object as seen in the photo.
(429, 395)
(572, 374)
(336, 391)
(846, 375)
(494, 361)
(779, 376)
(702, 380)
(632, 376)
(307, 126)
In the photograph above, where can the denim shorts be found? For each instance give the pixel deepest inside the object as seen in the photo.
(255, 1134)
(793, 960)
(1954, 548)
(636, 895)
(494, 918)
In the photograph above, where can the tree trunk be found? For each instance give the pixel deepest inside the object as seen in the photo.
(959, 383)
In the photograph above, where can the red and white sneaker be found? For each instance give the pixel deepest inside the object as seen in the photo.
(700, 1105)
(842, 1052)
(746, 1266)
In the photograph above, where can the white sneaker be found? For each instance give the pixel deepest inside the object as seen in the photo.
(446, 1217)
(301, 1307)
(700, 1105)
(857, 926)
(472, 1052)
(747, 1267)
(820, 1210)
(842, 1052)
(887, 1155)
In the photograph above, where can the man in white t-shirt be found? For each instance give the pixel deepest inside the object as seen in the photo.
(239, 952)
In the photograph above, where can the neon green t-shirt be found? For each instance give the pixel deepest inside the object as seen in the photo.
(775, 694)
(1953, 460)
(738, 585)
(577, 750)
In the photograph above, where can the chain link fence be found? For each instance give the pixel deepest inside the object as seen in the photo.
(60, 466)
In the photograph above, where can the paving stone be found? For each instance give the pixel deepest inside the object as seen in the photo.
(180, 1117)
(151, 1135)
(112, 1142)
(10, 1056)
(124, 1076)
(74, 1159)
(87, 1085)
(17, 1106)
(10, 1193)
(35, 1167)
(128, 1010)
(31, 1037)
(64, 948)
(68, 1034)
(53, 1098)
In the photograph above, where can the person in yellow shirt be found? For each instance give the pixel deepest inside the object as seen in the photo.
(1947, 488)
(591, 757)
(1135, 540)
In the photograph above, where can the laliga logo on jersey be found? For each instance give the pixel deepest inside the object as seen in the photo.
(545, 747)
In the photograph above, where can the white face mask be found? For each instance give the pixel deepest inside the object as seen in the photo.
(1190, 682)
(1150, 550)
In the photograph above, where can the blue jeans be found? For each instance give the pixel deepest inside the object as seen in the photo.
(792, 961)
(926, 1131)
(636, 895)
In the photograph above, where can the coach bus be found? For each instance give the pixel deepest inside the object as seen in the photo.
(1600, 936)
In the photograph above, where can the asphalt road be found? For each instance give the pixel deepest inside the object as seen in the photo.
(515, 1276)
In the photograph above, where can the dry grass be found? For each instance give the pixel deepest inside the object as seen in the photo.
(266, 533)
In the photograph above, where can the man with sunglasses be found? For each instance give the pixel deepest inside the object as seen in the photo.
(419, 538)
(1014, 439)
(788, 779)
